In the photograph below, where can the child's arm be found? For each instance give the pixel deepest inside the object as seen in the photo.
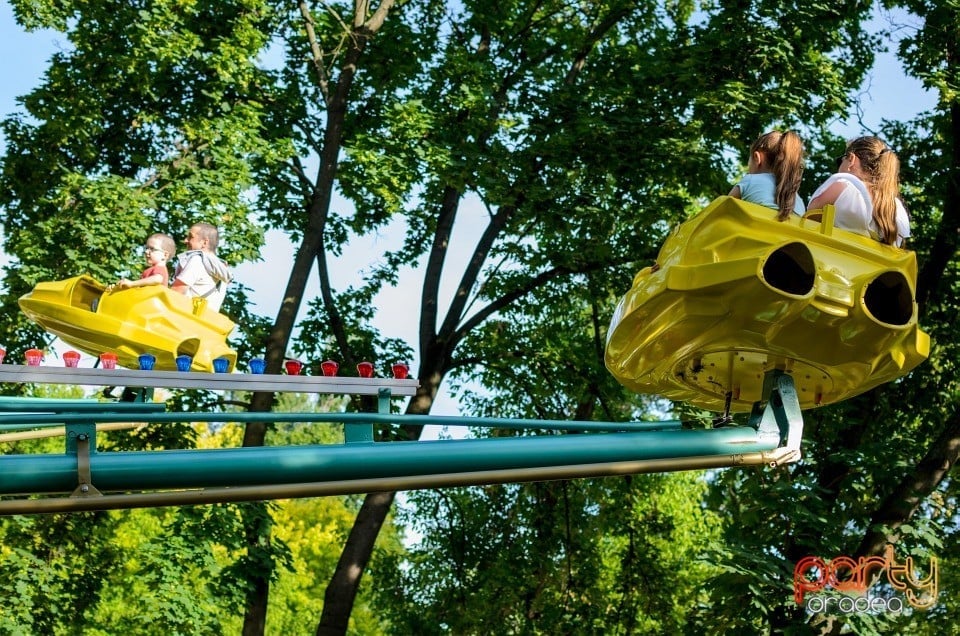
(125, 283)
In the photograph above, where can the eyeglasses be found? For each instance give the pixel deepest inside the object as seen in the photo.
(147, 249)
(841, 158)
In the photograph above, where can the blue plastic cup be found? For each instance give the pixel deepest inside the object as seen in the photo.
(147, 361)
(258, 365)
(220, 365)
(183, 363)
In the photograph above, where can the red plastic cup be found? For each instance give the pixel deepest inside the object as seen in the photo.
(71, 358)
(365, 369)
(329, 367)
(400, 371)
(293, 367)
(34, 357)
(108, 360)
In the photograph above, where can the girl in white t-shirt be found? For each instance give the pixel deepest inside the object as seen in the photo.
(775, 168)
(865, 192)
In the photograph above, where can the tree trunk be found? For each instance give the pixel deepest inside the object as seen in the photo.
(311, 248)
(342, 590)
(902, 503)
(255, 618)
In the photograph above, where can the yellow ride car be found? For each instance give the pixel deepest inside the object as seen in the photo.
(129, 322)
(735, 294)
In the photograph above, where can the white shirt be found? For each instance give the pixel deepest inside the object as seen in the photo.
(205, 275)
(854, 209)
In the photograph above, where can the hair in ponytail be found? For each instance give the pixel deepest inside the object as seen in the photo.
(881, 166)
(783, 153)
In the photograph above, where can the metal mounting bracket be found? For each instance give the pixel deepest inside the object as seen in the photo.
(85, 487)
(780, 415)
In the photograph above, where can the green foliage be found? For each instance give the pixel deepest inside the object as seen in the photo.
(46, 580)
(149, 128)
(176, 570)
(163, 586)
(566, 140)
(591, 556)
(314, 530)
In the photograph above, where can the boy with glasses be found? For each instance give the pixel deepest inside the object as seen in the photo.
(158, 250)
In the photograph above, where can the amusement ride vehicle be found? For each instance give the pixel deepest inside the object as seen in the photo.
(736, 294)
(152, 319)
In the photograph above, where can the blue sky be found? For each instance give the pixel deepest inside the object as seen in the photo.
(23, 58)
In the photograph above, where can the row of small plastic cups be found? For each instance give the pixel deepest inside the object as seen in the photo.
(220, 365)
(328, 367)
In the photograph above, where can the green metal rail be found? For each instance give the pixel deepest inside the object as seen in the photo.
(83, 478)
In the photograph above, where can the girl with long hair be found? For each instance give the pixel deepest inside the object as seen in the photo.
(866, 192)
(775, 168)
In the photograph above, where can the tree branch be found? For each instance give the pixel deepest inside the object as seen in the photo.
(506, 300)
(471, 272)
(429, 300)
(901, 504)
(607, 23)
(315, 51)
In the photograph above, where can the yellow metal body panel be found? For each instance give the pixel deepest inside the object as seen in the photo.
(735, 294)
(129, 322)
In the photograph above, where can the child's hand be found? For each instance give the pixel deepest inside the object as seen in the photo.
(123, 283)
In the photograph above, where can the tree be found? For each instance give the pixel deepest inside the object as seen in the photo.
(582, 131)
(523, 108)
(175, 570)
(146, 122)
(876, 469)
(615, 555)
